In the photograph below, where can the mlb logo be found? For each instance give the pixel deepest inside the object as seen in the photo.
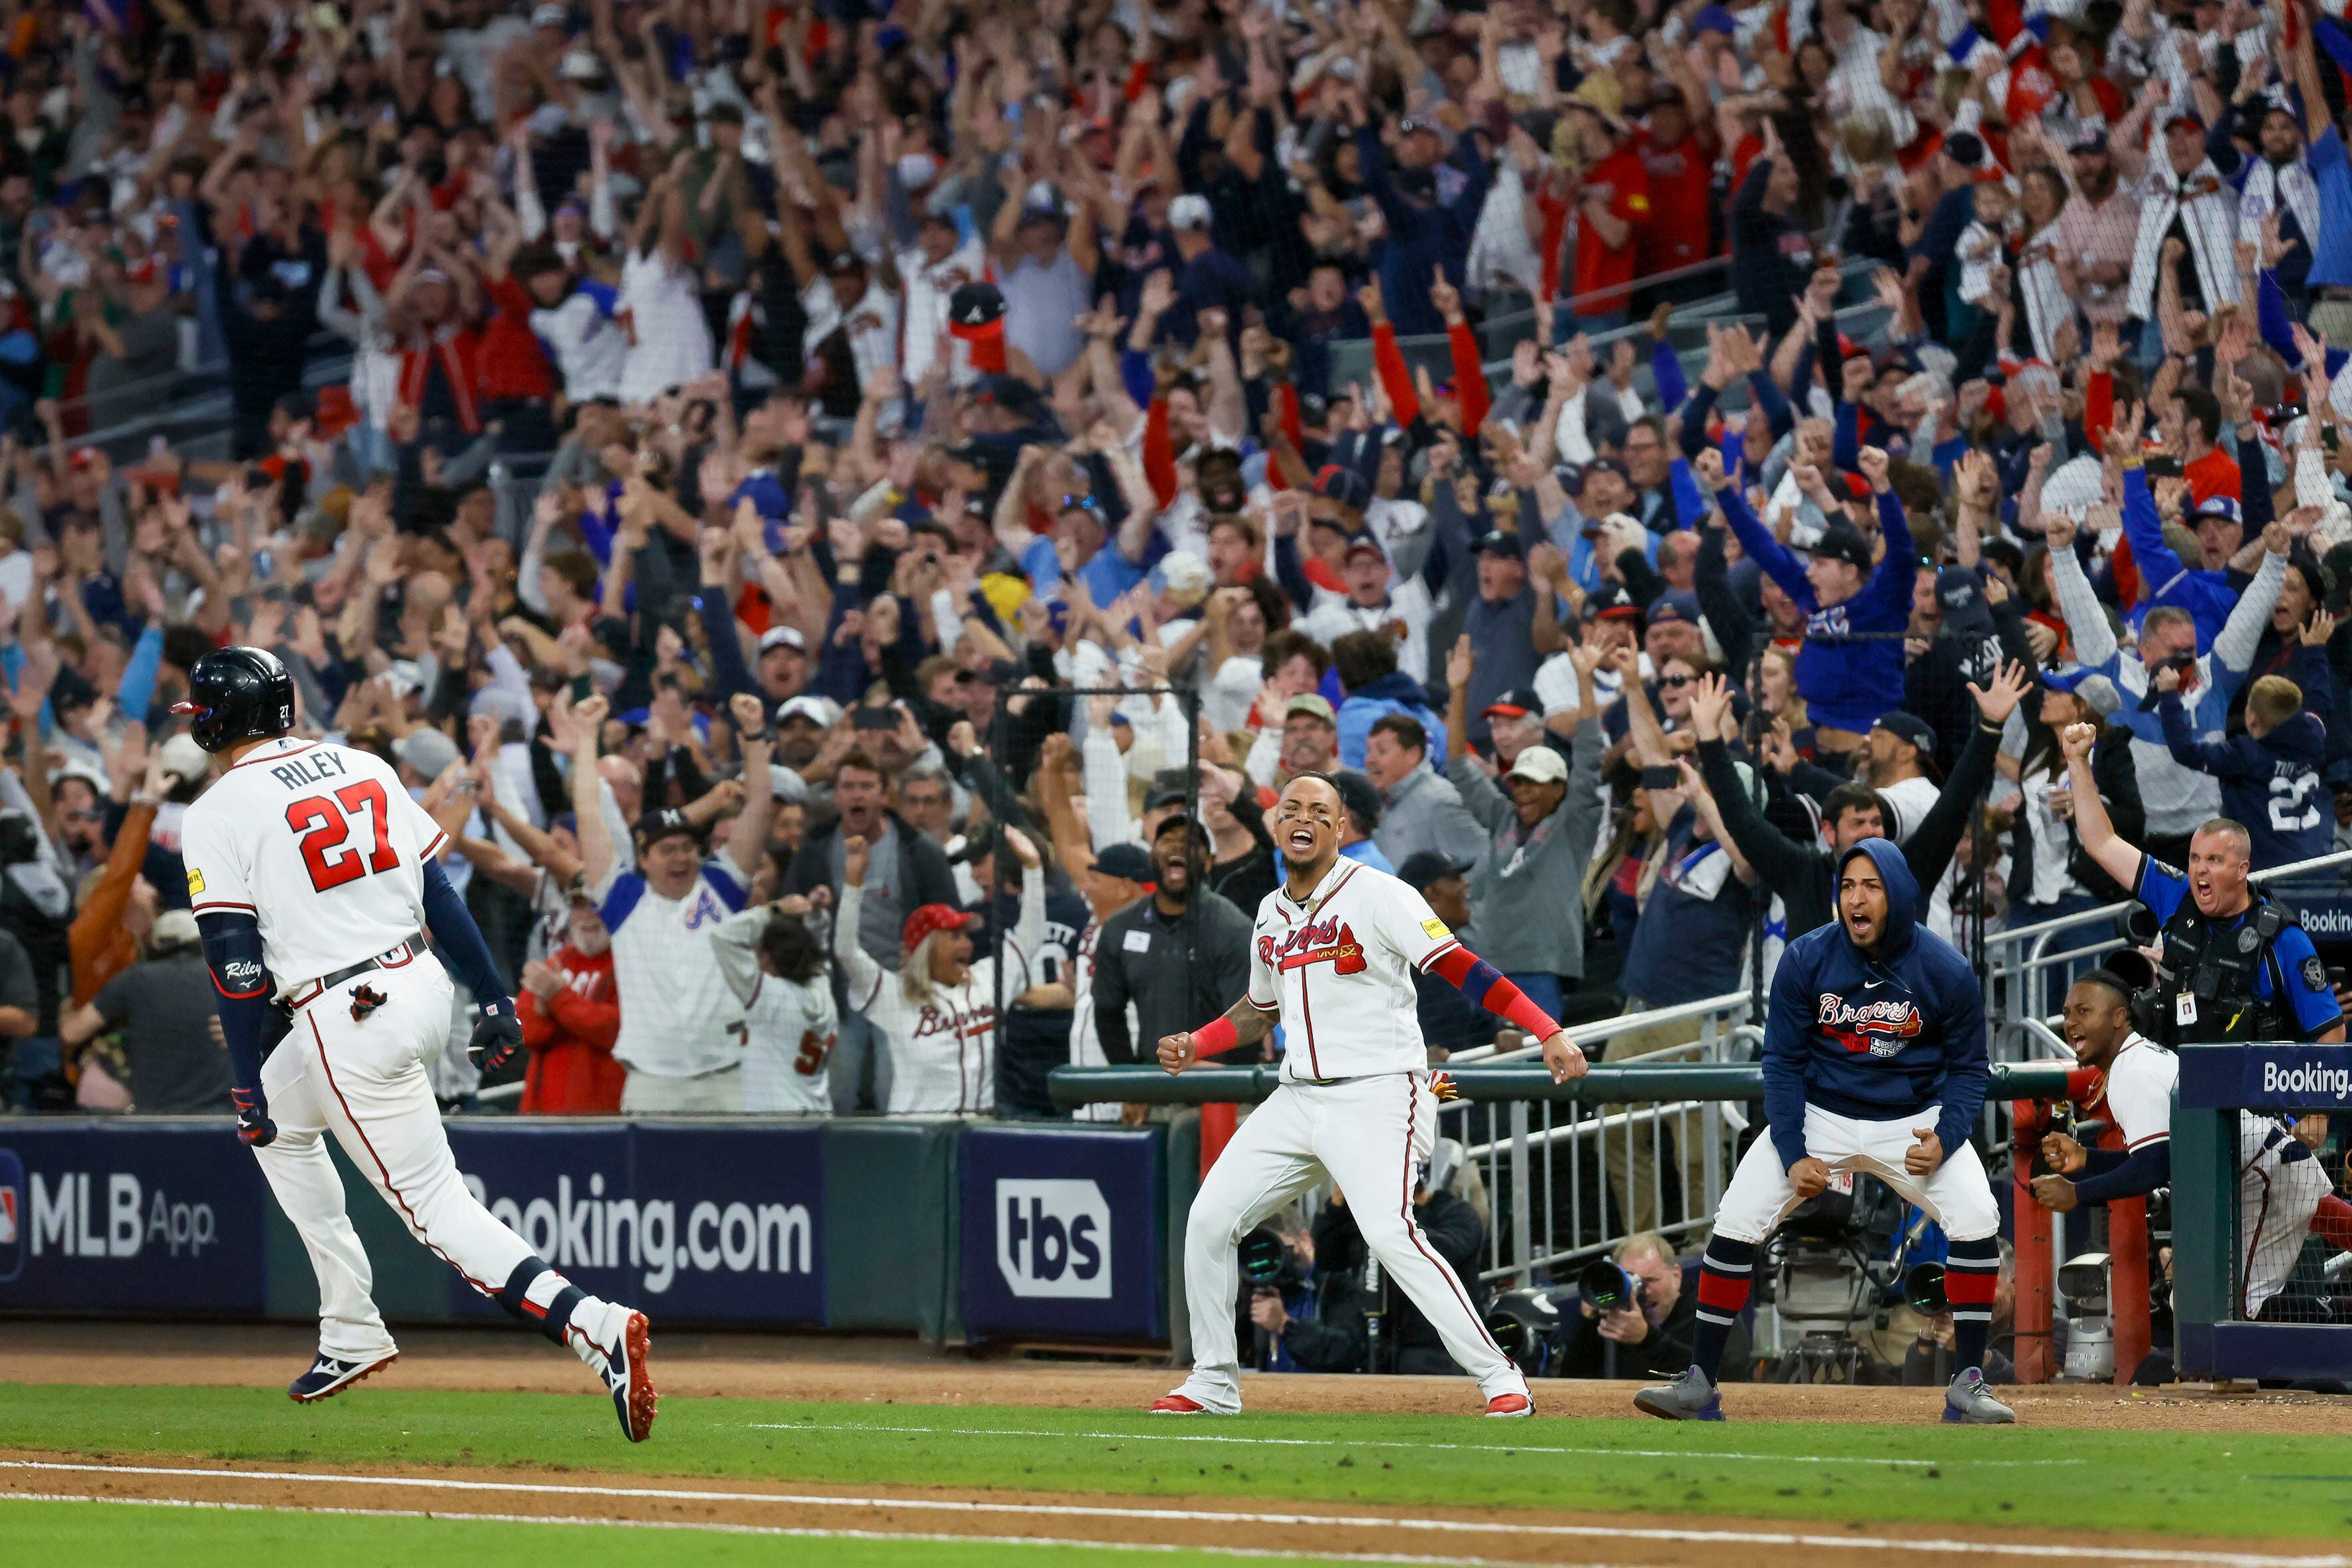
(12, 1215)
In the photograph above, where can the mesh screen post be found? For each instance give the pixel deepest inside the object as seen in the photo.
(2225, 1171)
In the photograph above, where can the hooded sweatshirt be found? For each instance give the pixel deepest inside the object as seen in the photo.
(1850, 668)
(1876, 1036)
(2272, 784)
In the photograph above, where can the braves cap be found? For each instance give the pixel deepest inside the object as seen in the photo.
(930, 917)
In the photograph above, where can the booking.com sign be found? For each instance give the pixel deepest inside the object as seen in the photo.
(1053, 1238)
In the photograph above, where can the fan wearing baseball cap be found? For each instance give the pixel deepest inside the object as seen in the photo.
(1850, 668)
(937, 1014)
(1377, 601)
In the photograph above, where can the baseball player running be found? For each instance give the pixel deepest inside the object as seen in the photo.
(1333, 956)
(1874, 1061)
(313, 878)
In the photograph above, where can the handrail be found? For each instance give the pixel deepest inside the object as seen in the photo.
(1142, 1083)
(1609, 1028)
(2109, 911)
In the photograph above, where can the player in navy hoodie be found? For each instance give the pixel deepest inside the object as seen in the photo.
(1874, 1062)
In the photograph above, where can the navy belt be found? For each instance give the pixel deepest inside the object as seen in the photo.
(390, 959)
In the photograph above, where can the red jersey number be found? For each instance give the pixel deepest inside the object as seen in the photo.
(325, 825)
(815, 1049)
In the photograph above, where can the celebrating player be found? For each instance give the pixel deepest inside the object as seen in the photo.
(1874, 1061)
(1332, 960)
(313, 878)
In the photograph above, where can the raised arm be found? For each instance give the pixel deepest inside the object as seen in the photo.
(597, 851)
(2093, 829)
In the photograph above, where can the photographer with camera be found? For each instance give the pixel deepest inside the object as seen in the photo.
(1632, 1316)
(1348, 1296)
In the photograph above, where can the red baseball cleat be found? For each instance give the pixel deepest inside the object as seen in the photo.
(1177, 1404)
(1510, 1404)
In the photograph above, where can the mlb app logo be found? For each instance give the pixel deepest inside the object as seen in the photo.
(1053, 1238)
(12, 1215)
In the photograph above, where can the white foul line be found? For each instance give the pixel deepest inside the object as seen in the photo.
(1354, 1443)
(721, 1528)
(1220, 1516)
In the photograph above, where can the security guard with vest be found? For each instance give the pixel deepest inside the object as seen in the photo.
(2236, 966)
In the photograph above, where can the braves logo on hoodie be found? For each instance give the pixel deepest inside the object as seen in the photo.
(1880, 1028)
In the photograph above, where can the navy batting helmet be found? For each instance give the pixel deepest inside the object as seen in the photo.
(237, 693)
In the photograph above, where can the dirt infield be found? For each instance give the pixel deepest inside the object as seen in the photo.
(1363, 1532)
(893, 1371)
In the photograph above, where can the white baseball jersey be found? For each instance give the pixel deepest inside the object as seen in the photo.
(319, 842)
(943, 1046)
(1338, 968)
(2139, 1091)
(789, 1026)
(678, 1017)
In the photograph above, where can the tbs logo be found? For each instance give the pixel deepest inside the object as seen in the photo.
(1053, 1238)
(12, 1232)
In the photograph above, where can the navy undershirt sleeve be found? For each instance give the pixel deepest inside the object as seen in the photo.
(2141, 1172)
(241, 985)
(459, 940)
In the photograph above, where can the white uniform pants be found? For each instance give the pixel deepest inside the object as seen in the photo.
(366, 1083)
(1369, 1137)
(2276, 1199)
(1956, 1194)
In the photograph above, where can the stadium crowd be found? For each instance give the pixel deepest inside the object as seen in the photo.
(708, 444)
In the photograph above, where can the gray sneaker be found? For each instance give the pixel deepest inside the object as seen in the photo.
(1968, 1402)
(1689, 1397)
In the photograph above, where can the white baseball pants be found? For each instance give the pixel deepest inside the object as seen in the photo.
(2276, 1197)
(1956, 1194)
(1368, 1137)
(364, 1081)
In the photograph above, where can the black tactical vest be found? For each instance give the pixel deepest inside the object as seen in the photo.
(2217, 966)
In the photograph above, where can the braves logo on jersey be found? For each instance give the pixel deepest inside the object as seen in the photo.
(1328, 942)
(1880, 1028)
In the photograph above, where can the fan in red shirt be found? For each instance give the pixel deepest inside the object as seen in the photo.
(570, 1014)
(1677, 152)
(1612, 207)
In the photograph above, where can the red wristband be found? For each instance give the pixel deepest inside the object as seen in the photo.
(1215, 1039)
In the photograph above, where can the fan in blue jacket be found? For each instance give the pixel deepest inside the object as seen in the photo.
(1850, 668)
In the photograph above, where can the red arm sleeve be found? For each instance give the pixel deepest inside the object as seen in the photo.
(1160, 453)
(2098, 407)
(1469, 379)
(538, 1030)
(595, 1024)
(1485, 986)
(1395, 378)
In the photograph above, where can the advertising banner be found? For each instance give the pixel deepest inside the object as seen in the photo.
(693, 1221)
(2290, 1077)
(1064, 1233)
(129, 1217)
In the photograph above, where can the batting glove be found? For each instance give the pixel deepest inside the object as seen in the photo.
(498, 1037)
(254, 1127)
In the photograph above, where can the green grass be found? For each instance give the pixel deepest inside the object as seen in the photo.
(115, 1532)
(2196, 1483)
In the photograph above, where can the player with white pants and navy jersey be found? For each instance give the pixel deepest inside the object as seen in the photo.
(312, 877)
(1873, 1064)
(1333, 956)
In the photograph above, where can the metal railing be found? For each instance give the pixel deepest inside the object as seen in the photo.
(1511, 1113)
(2024, 968)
